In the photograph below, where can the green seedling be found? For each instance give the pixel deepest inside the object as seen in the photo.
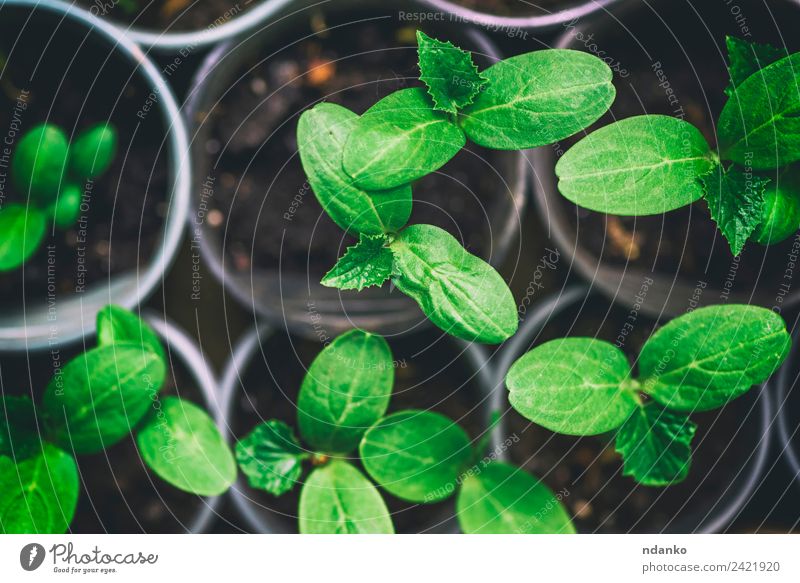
(698, 362)
(48, 172)
(361, 169)
(653, 164)
(94, 402)
(417, 456)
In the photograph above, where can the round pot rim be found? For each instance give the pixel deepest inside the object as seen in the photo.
(786, 434)
(729, 503)
(143, 280)
(399, 311)
(476, 356)
(180, 344)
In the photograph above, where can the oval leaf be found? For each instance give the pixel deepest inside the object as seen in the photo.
(538, 98)
(503, 499)
(346, 390)
(117, 325)
(338, 499)
(400, 139)
(572, 385)
(93, 151)
(40, 162)
(645, 165)
(416, 455)
(321, 135)
(39, 494)
(67, 209)
(271, 457)
(181, 443)
(708, 357)
(460, 293)
(760, 124)
(101, 395)
(23, 230)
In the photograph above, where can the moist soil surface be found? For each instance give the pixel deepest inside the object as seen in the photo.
(263, 207)
(123, 211)
(169, 15)
(429, 375)
(656, 77)
(587, 471)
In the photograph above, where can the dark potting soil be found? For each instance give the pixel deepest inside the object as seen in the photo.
(124, 209)
(516, 7)
(683, 77)
(263, 207)
(587, 471)
(169, 15)
(429, 375)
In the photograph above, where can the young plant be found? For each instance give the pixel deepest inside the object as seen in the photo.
(95, 401)
(361, 169)
(652, 164)
(697, 362)
(49, 173)
(418, 456)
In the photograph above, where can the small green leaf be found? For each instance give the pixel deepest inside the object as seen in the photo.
(117, 325)
(346, 389)
(780, 215)
(460, 293)
(448, 72)
(655, 444)
(338, 499)
(271, 457)
(759, 127)
(538, 98)
(67, 208)
(19, 434)
(23, 230)
(416, 455)
(40, 162)
(367, 263)
(747, 58)
(321, 134)
(93, 151)
(645, 165)
(502, 499)
(736, 202)
(575, 386)
(181, 444)
(400, 139)
(713, 355)
(40, 494)
(99, 396)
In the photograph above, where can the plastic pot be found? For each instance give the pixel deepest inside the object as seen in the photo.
(716, 509)
(41, 325)
(290, 296)
(679, 68)
(257, 517)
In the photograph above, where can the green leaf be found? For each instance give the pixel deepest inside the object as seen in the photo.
(655, 444)
(23, 231)
(321, 134)
(338, 499)
(708, 357)
(67, 208)
(39, 494)
(400, 139)
(271, 457)
(181, 443)
(346, 389)
(575, 386)
(117, 325)
(367, 263)
(747, 58)
(40, 162)
(759, 127)
(93, 151)
(460, 293)
(502, 499)
(538, 98)
(19, 434)
(736, 202)
(101, 395)
(645, 165)
(416, 455)
(448, 72)
(780, 215)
